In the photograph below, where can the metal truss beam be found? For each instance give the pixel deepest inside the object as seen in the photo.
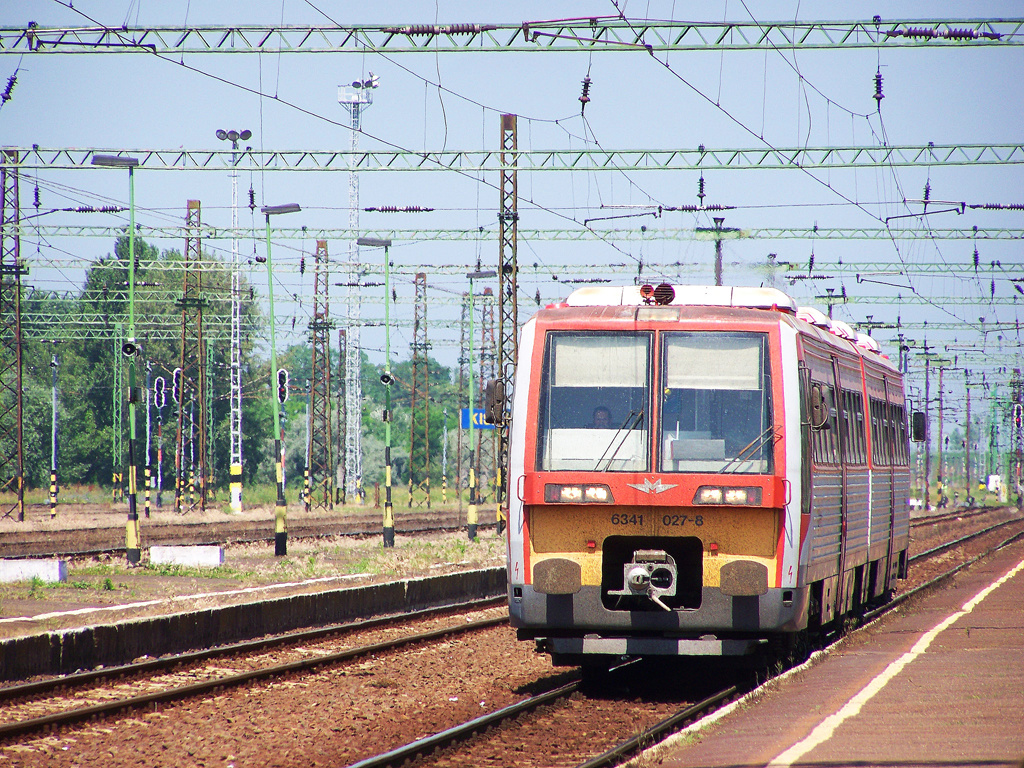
(581, 234)
(590, 160)
(601, 33)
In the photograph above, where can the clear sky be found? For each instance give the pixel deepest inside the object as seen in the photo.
(675, 100)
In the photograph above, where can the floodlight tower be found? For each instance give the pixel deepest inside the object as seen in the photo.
(236, 325)
(355, 98)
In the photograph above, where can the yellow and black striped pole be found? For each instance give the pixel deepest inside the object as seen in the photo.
(53, 443)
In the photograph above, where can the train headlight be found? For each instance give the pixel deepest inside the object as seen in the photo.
(577, 494)
(711, 494)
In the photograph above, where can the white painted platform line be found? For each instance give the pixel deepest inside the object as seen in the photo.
(198, 556)
(824, 730)
(48, 571)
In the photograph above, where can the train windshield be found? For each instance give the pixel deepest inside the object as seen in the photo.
(594, 402)
(716, 403)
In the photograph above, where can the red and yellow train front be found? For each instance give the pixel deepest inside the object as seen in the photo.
(648, 481)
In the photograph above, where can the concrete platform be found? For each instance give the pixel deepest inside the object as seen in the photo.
(49, 571)
(941, 683)
(196, 556)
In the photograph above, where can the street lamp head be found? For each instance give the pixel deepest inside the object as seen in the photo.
(374, 242)
(481, 274)
(115, 161)
(273, 210)
(222, 134)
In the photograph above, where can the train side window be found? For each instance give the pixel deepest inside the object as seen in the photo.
(857, 400)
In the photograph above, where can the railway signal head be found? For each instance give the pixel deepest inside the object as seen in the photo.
(282, 385)
(176, 386)
(160, 392)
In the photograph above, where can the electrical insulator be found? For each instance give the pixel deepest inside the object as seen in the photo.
(160, 392)
(10, 87)
(586, 94)
(878, 88)
(252, 199)
(700, 189)
(810, 264)
(975, 259)
(927, 191)
(282, 385)
(302, 265)
(176, 386)
(36, 196)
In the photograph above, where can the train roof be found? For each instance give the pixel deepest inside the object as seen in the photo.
(739, 297)
(682, 295)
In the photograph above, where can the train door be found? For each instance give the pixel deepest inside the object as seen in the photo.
(843, 426)
(888, 452)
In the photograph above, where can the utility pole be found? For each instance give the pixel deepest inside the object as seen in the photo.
(927, 424)
(942, 466)
(968, 495)
(340, 477)
(53, 442)
(1017, 406)
(355, 98)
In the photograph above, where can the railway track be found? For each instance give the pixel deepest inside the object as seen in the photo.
(110, 541)
(596, 719)
(38, 706)
(443, 749)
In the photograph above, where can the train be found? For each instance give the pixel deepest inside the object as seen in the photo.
(699, 471)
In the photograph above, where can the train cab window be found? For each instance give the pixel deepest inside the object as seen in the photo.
(715, 408)
(594, 401)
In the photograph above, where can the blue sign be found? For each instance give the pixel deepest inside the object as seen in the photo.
(478, 419)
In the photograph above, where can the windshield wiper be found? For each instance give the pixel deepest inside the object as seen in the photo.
(753, 448)
(636, 417)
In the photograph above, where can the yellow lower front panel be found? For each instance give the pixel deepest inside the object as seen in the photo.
(578, 533)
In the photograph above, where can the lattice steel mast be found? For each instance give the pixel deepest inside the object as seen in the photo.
(508, 299)
(355, 98)
(487, 460)
(419, 406)
(321, 464)
(192, 364)
(12, 471)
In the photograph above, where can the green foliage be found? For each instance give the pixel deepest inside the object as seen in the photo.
(80, 328)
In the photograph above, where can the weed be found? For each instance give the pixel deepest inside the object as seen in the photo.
(108, 584)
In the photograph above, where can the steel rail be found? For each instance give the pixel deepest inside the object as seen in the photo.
(20, 728)
(949, 545)
(657, 732)
(459, 732)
